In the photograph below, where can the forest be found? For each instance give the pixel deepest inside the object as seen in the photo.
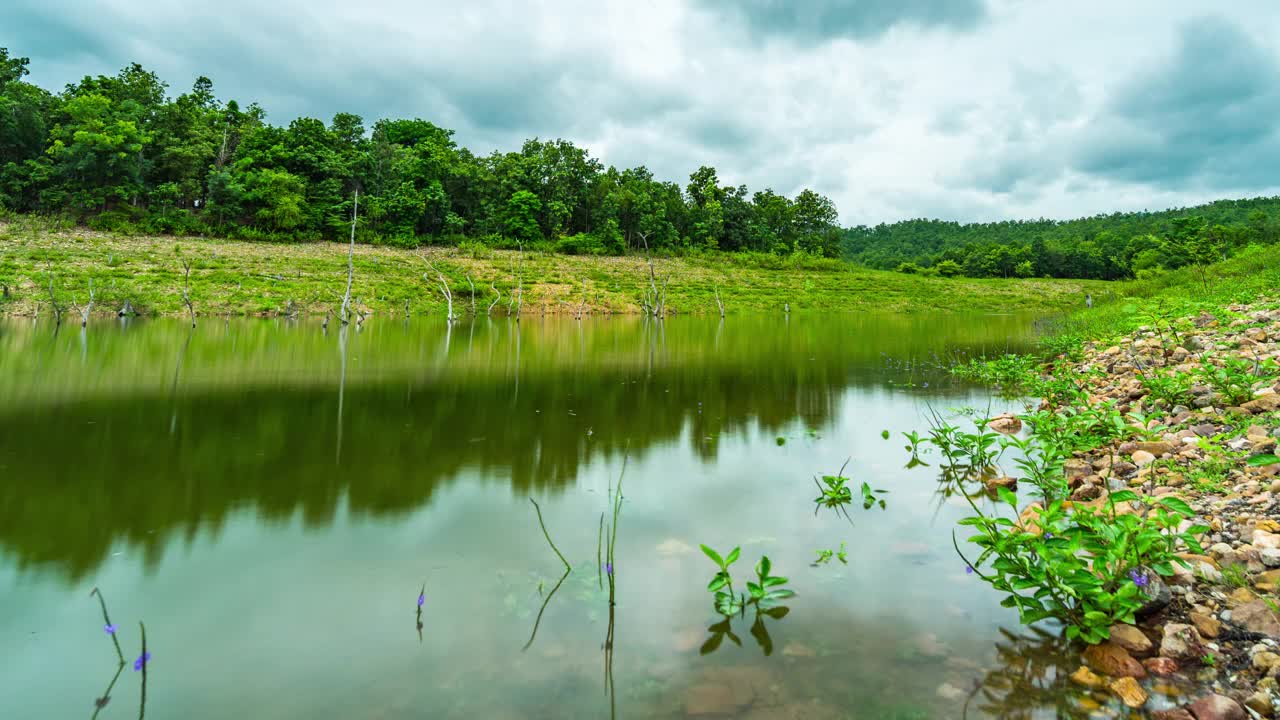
(119, 154)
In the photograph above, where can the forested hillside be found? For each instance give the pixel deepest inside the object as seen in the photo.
(1107, 247)
(120, 154)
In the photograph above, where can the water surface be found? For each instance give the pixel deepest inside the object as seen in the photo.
(270, 497)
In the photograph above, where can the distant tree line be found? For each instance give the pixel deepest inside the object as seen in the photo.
(1107, 247)
(119, 154)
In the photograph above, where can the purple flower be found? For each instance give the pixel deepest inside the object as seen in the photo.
(110, 629)
(1138, 578)
(142, 660)
(968, 569)
(608, 569)
(422, 597)
(1048, 536)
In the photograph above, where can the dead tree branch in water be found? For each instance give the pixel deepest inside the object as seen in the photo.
(658, 308)
(186, 290)
(87, 309)
(53, 300)
(444, 288)
(520, 284)
(497, 298)
(351, 253)
(719, 303)
(473, 295)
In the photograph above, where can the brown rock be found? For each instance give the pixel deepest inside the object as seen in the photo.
(1207, 625)
(1007, 483)
(1174, 714)
(709, 700)
(1157, 448)
(1129, 692)
(1257, 616)
(1269, 580)
(795, 649)
(1142, 458)
(1088, 678)
(1264, 660)
(1131, 638)
(1006, 424)
(1160, 665)
(1181, 642)
(1086, 492)
(1216, 707)
(1109, 658)
(1263, 404)
(1260, 702)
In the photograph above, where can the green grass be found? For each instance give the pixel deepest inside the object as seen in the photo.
(247, 278)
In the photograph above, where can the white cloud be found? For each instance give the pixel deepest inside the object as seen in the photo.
(895, 110)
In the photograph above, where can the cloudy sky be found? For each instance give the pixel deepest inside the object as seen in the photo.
(959, 109)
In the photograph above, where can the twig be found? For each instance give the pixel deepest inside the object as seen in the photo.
(142, 708)
(497, 297)
(444, 288)
(186, 290)
(548, 535)
(351, 252)
(106, 619)
(473, 294)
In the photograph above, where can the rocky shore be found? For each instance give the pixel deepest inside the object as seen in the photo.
(1205, 392)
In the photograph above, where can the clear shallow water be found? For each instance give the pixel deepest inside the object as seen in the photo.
(269, 499)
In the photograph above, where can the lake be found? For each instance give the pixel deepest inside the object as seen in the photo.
(270, 498)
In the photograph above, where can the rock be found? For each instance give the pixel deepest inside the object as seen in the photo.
(1206, 625)
(1181, 642)
(1270, 557)
(673, 546)
(1142, 458)
(1264, 540)
(1088, 678)
(1086, 492)
(1160, 665)
(1216, 707)
(812, 710)
(1131, 638)
(709, 700)
(1008, 483)
(1174, 714)
(1005, 424)
(799, 650)
(1260, 702)
(1263, 404)
(1156, 448)
(1129, 692)
(1265, 660)
(1269, 581)
(1109, 658)
(1074, 468)
(951, 693)
(1257, 616)
(1156, 594)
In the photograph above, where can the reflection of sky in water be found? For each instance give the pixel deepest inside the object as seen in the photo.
(254, 610)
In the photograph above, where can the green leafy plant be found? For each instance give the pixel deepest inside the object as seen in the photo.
(824, 556)
(1170, 389)
(767, 590)
(727, 601)
(869, 498)
(1235, 576)
(1234, 379)
(834, 493)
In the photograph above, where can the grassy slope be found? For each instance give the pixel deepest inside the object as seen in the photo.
(247, 278)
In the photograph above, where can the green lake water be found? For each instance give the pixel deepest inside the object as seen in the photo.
(269, 498)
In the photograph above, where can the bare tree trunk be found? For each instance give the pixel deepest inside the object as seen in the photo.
(497, 297)
(720, 304)
(520, 284)
(351, 268)
(444, 288)
(186, 290)
(473, 295)
(653, 277)
(53, 300)
(406, 308)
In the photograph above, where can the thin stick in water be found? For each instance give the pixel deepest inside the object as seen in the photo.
(547, 535)
(106, 619)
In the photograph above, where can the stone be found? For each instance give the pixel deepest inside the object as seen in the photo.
(1109, 658)
(1265, 660)
(1005, 424)
(1129, 692)
(1008, 483)
(1160, 665)
(1086, 492)
(1207, 625)
(1270, 557)
(1156, 448)
(1265, 540)
(673, 546)
(1174, 714)
(1269, 580)
(703, 700)
(1131, 638)
(1088, 678)
(951, 693)
(1263, 404)
(1142, 458)
(1181, 642)
(1216, 707)
(1257, 616)
(1261, 703)
(798, 650)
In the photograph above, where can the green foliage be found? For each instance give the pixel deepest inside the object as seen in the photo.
(763, 593)
(1010, 370)
(1234, 378)
(1169, 388)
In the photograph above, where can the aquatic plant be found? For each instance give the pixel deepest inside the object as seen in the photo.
(727, 601)
(767, 589)
(108, 626)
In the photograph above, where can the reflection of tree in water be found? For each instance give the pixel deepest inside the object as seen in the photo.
(1031, 676)
(412, 418)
